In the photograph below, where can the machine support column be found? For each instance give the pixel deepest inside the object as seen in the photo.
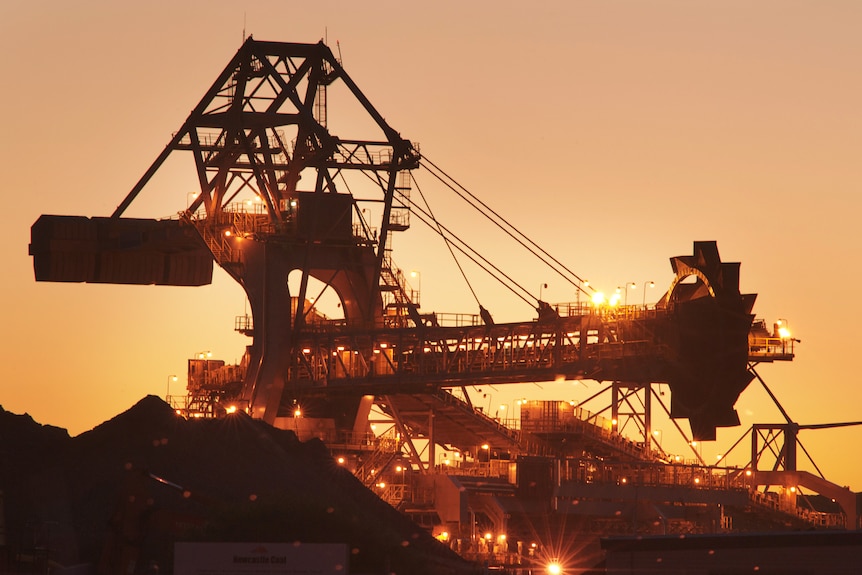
(432, 453)
(647, 416)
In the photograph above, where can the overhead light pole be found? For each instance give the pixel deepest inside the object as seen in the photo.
(168, 391)
(650, 284)
(629, 285)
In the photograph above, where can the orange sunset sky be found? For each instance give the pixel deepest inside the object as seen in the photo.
(613, 133)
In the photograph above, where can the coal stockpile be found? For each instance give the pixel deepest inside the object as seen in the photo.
(118, 497)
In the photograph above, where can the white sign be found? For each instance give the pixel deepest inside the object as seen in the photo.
(245, 558)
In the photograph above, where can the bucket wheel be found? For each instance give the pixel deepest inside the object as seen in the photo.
(709, 323)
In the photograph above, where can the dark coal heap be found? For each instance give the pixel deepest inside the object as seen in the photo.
(125, 491)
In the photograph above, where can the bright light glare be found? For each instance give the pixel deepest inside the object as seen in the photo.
(783, 332)
(598, 298)
(554, 568)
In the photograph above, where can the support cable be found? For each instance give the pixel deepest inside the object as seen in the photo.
(830, 425)
(475, 257)
(727, 452)
(681, 432)
(445, 239)
(468, 251)
(769, 391)
(808, 455)
(474, 200)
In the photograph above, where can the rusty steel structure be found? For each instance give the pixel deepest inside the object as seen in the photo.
(282, 195)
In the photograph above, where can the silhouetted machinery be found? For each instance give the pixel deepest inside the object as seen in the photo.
(282, 197)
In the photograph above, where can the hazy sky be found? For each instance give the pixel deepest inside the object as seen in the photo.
(614, 133)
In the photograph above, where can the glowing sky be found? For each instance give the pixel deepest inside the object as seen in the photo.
(614, 133)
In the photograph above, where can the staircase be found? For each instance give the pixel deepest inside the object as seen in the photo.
(400, 307)
(388, 448)
(215, 232)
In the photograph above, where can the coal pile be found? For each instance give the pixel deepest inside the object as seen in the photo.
(124, 492)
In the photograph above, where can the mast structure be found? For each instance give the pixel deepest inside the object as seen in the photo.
(274, 197)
